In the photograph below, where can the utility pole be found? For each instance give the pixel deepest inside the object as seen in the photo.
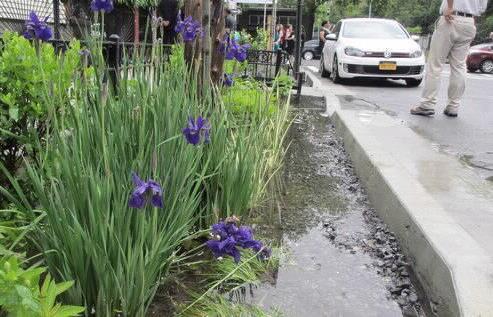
(369, 10)
(56, 18)
(274, 20)
(298, 38)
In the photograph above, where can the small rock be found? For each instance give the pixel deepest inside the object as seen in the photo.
(413, 298)
(395, 290)
(408, 311)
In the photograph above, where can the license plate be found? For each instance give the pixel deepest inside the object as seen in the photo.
(387, 66)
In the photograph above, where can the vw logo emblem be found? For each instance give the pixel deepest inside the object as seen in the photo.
(387, 54)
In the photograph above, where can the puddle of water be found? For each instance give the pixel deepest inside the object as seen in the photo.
(322, 229)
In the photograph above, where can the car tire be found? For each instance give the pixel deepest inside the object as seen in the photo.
(486, 66)
(308, 55)
(323, 72)
(411, 82)
(334, 74)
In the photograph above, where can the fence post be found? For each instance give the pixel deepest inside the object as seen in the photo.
(278, 62)
(115, 59)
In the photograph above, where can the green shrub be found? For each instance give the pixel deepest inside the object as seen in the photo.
(34, 84)
(21, 295)
(415, 30)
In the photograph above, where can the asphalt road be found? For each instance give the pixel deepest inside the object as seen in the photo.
(468, 137)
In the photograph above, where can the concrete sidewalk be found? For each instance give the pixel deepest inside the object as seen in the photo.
(441, 210)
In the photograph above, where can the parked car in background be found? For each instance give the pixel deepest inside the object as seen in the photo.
(311, 50)
(375, 48)
(480, 57)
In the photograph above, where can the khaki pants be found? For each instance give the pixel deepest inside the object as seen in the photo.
(450, 40)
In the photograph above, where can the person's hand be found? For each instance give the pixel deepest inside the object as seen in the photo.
(165, 23)
(448, 14)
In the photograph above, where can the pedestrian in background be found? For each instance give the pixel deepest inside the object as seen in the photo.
(168, 11)
(322, 35)
(278, 37)
(289, 38)
(453, 35)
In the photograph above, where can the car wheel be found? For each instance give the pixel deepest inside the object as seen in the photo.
(323, 72)
(308, 55)
(486, 66)
(334, 74)
(411, 82)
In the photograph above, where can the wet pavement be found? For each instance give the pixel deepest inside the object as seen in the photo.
(469, 137)
(338, 259)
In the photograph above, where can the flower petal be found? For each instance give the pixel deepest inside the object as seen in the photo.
(136, 201)
(157, 201)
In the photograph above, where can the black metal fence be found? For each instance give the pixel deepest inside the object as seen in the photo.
(262, 65)
(266, 65)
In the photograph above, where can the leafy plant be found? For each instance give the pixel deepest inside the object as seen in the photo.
(21, 296)
(283, 84)
(248, 96)
(34, 84)
(261, 39)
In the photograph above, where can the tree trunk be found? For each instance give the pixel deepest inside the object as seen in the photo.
(217, 29)
(206, 44)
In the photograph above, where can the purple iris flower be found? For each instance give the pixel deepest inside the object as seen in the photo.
(36, 28)
(227, 237)
(242, 52)
(225, 247)
(228, 80)
(233, 50)
(189, 28)
(197, 130)
(102, 5)
(145, 192)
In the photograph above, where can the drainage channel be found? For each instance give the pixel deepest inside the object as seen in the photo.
(339, 258)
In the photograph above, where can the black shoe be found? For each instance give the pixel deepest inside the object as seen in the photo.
(449, 113)
(420, 111)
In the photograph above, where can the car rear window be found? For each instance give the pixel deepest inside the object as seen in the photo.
(373, 30)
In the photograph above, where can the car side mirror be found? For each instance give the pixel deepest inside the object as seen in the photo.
(415, 38)
(331, 37)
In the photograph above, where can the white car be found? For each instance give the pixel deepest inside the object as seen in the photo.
(376, 48)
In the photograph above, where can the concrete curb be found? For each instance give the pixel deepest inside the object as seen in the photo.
(454, 269)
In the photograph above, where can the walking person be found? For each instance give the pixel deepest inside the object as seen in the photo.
(453, 35)
(289, 40)
(324, 31)
(278, 35)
